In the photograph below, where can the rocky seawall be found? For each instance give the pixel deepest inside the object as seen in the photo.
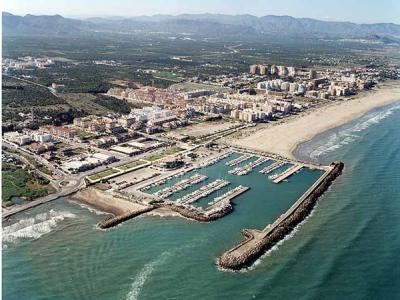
(199, 214)
(258, 242)
(192, 213)
(114, 221)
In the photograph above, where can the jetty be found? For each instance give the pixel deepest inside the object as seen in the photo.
(249, 167)
(258, 242)
(114, 221)
(287, 173)
(230, 194)
(181, 185)
(272, 167)
(214, 160)
(162, 180)
(238, 160)
(219, 209)
(204, 191)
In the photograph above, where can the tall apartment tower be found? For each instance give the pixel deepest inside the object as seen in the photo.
(263, 70)
(313, 74)
(254, 69)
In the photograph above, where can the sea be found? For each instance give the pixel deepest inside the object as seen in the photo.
(348, 248)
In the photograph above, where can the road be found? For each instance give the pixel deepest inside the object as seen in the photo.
(61, 193)
(76, 182)
(34, 83)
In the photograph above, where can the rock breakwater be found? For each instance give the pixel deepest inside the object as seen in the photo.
(258, 242)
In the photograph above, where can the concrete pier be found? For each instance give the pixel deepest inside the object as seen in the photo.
(238, 160)
(258, 242)
(289, 172)
(249, 167)
(217, 210)
(230, 194)
(272, 167)
(204, 191)
(181, 185)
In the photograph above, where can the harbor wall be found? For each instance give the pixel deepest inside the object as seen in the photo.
(114, 221)
(201, 216)
(257, 243)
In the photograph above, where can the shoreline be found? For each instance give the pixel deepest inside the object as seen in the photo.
(105, 202)
(284, 138)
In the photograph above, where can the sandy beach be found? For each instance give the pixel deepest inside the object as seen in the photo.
(284, 137)
(105, 202)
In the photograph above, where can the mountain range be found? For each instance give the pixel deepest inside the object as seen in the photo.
(211, 25)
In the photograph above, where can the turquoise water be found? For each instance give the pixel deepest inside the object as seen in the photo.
(258, 183)
(348, 249)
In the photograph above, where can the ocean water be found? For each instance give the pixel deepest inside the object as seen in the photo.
(349, 248)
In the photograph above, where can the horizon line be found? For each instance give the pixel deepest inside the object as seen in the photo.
(87, 16)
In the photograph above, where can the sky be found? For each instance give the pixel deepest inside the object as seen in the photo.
(359, 11)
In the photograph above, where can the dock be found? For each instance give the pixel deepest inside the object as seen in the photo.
(204, 191)
(228, 196)
(287, 173)
(249, 167)
(214, 160)
(272, 167)
(180, 186)
(238, 160)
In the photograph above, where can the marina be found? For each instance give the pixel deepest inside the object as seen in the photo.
(258, 241)
(214, 160)
(230, 194)
(238, 160)
(200, 150)
(272, 167)
(180, 186)
(249, 167)
(162, 180)
(287, 173)
(204, 191)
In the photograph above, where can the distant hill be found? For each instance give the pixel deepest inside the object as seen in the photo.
(200, 24)
(43, 25)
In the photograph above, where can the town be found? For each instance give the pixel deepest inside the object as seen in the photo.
(200, 149)
(173, 117)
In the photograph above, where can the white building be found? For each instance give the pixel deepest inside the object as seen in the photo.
(17, 138)
(42, 138)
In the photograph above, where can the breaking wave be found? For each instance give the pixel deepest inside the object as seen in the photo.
(89, 208)
(35, 227)
(348, 135)
(144, 273)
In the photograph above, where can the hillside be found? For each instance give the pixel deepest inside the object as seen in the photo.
(197, 24)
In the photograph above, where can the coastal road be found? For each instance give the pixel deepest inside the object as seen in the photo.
(66, 191)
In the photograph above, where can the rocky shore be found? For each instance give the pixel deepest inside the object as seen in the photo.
(222, 209)
(114, 221)
(258, 242)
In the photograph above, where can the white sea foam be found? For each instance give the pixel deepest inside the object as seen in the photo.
(90, 209)
(143, 275)
(346, 136)
(35, 227)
